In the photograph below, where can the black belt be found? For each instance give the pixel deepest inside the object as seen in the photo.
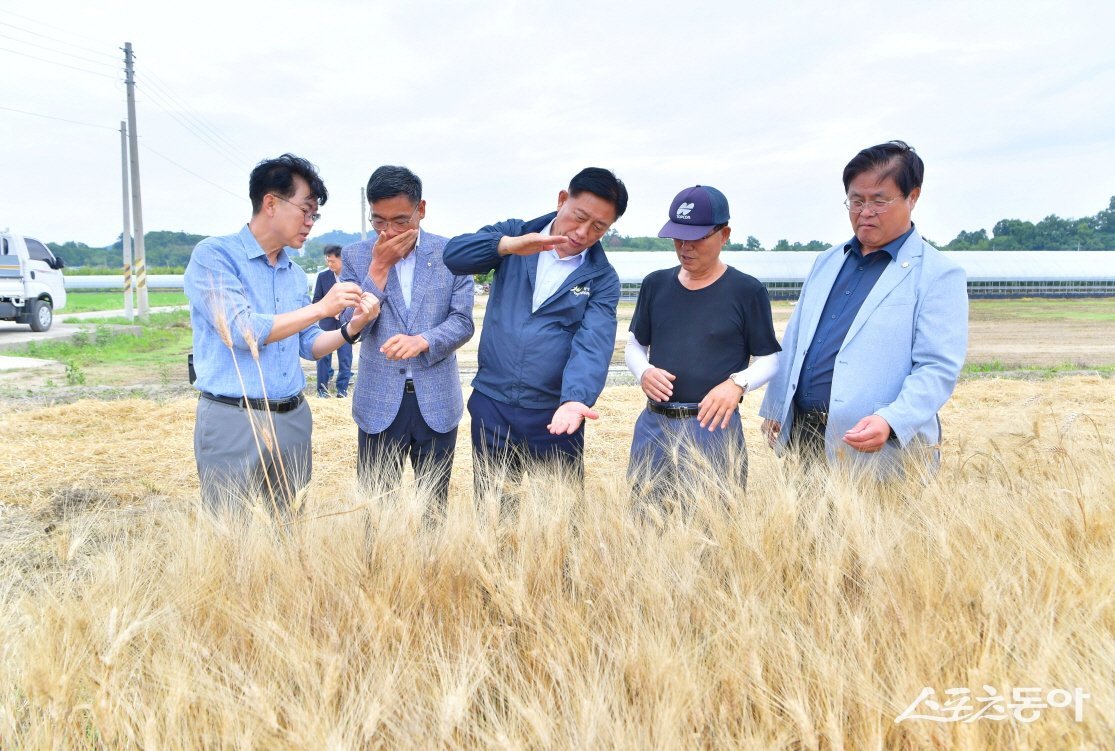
(677, 412)
(408, 387)
(814, 417)
(274, 405)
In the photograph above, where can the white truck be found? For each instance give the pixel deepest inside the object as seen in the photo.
(31, 286)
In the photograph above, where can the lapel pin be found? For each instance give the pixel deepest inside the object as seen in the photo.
(905, 264)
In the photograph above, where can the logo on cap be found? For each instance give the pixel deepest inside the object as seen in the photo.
(684, 209)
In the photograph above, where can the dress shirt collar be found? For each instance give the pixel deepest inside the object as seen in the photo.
(574, 260)
(891, 248)
(253, 249)
(417, 245)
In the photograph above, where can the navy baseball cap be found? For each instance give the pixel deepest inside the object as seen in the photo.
(694, 212)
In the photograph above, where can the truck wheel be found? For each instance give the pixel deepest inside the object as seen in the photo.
(42, 315)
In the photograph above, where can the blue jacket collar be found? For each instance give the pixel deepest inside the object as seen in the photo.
(595, 257)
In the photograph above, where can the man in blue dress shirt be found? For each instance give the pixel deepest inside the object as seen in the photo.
(252, 318)
(875, 344)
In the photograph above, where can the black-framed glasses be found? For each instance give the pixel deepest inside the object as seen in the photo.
(310, 214)
(379, 224)
(856, 205)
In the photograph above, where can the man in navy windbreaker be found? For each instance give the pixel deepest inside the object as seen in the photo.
(549, 330)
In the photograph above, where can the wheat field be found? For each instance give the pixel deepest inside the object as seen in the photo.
(806, 613)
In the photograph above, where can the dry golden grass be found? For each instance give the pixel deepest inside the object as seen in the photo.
(806, 613)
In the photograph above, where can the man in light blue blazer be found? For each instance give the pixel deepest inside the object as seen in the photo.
(877, 340)
(407, 400)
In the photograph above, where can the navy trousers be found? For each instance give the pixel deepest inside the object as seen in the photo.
(344, 369)
(507, 439)
(381, 455)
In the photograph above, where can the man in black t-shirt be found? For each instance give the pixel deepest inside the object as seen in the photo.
(695, 331)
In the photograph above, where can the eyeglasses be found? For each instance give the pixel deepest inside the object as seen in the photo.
(379, 224)
(310, 214)
(855, 206)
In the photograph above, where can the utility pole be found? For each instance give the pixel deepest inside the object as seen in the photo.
(126, 236)
(137, 207)
(363, 217)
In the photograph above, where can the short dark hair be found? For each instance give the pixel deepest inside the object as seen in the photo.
(277, 176)
(332, 250)
(389, 181)
(895, 159)
(603, 184)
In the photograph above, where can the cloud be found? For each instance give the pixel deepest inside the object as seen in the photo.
(497, 104)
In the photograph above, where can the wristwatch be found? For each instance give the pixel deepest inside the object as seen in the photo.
(739, 380)
(346, 335)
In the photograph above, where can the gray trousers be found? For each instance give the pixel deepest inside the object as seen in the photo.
(240, 460)
(667, 451)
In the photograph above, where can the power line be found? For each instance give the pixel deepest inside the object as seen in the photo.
(154, 99)
(193, 125)
(148, 148)
(63, 65)
(60, 41)
(59, 52)
(164, 88)
(185, 169)
(60, 119)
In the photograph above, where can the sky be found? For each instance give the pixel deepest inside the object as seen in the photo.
(496, 105)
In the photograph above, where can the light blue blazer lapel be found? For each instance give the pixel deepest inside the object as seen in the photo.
(897, 270)
(423, 271)
(820, 286)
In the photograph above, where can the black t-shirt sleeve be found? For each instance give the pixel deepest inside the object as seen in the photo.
(761, 339)
(703, 336)
(640, 320)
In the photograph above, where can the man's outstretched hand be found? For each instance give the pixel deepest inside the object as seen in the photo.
(569, 416)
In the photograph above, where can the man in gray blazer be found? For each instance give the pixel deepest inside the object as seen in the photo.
(408, 392)
(876, 342)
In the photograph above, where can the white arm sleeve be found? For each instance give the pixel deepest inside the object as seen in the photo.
(759, 372)
(636, 356)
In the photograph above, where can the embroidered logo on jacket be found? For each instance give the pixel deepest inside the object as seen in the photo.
(581, 289)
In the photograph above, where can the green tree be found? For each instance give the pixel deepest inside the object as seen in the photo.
(977, 240)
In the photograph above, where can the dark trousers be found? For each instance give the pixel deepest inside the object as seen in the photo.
(807, 436)
(344, 369)
(380, 456)
(506, 440)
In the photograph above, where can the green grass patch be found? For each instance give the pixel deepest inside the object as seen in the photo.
(997, 366)
(86, 302)
(107, 355)
(1098, 309)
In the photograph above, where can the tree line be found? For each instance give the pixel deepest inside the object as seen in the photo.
(172, 249)
(1052, 233)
